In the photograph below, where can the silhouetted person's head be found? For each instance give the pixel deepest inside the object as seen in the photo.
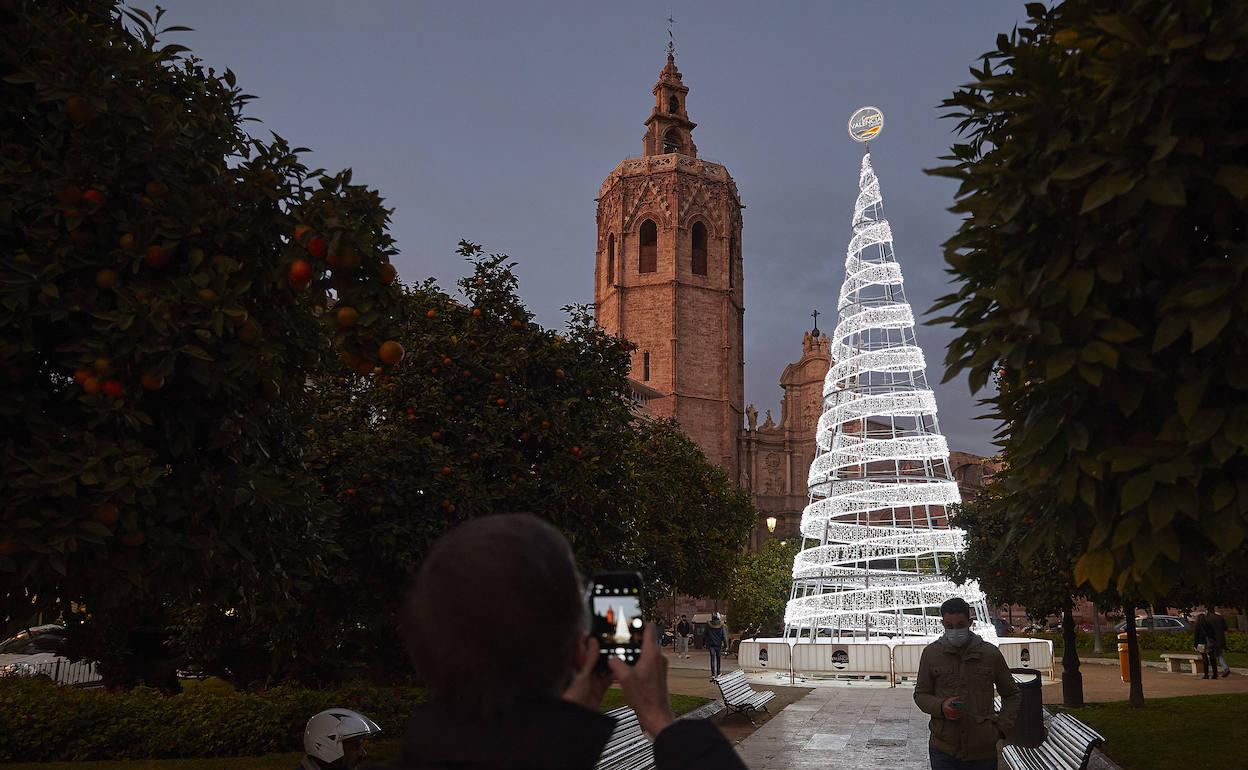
(497, 615)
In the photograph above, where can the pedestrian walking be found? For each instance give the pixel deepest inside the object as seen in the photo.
(1218, 624)
(715, 639)
(1205, 648)
(957, 674)
(684, 632)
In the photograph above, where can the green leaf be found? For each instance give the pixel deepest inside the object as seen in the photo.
(1117, 331)
(1235, 179)
(1136, 491)
(1095, 568)
(1169, 330)
(1207, 325)
(1166, 190)
(1077, 166)
(1079, 286)
(1058, 363)
(1106, 189)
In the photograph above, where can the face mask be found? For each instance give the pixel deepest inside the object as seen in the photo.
(957, 636)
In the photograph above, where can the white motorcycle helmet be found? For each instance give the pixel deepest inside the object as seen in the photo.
(325, 733)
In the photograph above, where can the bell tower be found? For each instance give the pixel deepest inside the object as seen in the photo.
(667, 274)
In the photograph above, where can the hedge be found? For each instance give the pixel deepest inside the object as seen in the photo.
(40, 721)
(1164, 641)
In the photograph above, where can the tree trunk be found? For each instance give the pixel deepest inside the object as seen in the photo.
(1133, 659)
(1097, 646)
(1072, 678)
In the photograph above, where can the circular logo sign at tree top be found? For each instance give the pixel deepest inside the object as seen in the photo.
(865, 124)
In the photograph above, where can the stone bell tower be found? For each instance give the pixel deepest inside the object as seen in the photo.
(667, 275)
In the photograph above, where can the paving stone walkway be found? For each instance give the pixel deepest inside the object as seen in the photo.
(843, 728)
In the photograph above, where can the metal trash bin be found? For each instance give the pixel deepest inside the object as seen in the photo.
(1028, 730)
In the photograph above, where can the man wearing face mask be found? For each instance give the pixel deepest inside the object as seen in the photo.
(957, 674)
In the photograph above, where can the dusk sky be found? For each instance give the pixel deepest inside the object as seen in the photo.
(497, 122)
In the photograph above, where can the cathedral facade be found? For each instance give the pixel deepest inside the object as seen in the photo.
(668, 277)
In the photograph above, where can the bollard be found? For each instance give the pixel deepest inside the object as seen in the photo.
(1123, 661)
(1028, 730)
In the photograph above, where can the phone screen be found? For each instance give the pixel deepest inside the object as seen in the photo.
(615, 609)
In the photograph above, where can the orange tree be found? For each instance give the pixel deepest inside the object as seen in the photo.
(1103, 271)
(163, 278)
(490, 412)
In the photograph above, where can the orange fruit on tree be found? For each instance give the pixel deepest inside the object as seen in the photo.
(156, 256)
(81, 375)
(300, 274)
(106, 279)
(126, 242)
(152, 382)
(316, 247)
(79, 110)
(113, 388)
(446, 470)
(476, 312)
(501, 401)
(346, 317)
(576, 451)
(107, 513)
(208, 295)
(133, 539)
(91, 386)
(156, 189)
(390, 352)
(70, 196)
(300, 231)
(249, 332)
(103, 366)
(517, 324)
(388, 273)
(560, 374)
(95, 196)
(431, 313)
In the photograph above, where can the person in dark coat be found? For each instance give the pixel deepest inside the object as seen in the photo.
(1218, 624)
(1206, 646)
(497, 626)
(715, 640)
(684, 632)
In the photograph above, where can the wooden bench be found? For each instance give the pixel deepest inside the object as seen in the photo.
(628, 748)
(739, 696)
(1175, 660)
(1068, 746)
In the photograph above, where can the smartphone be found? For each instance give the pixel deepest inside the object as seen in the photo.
(615, 615)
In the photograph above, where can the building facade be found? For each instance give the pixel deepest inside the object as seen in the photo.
(667, 275)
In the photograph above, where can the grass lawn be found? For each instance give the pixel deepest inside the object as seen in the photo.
(377, 750)
(1235, 659)
(1196, 732)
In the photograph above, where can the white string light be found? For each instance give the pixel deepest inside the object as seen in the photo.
(880, 481)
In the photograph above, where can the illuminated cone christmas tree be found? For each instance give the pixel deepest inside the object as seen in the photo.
(880, 481)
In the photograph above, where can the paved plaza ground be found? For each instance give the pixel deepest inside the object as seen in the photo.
(864, 726)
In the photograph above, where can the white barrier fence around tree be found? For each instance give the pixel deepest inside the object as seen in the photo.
(895, 662)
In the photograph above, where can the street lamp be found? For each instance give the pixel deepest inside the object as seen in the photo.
(771, 523)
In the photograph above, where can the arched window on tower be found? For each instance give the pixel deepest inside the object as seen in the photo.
(732, 261)
(611, 259)
(673, 104)
(698, 239)
(671, 141)
(648, 247)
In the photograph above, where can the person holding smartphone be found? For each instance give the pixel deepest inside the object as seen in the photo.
(497, 625)
(957, 674)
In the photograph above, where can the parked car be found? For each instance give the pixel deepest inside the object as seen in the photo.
(1157, 623)
(40, 651)
(1002, 626)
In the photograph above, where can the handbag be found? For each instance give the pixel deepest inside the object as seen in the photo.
(1202, 649)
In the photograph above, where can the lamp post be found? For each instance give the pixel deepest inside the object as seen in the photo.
(771, 524)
